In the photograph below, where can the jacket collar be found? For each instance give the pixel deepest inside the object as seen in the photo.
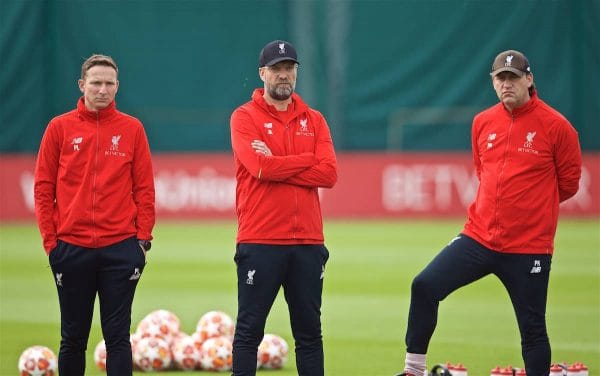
(528, 106)
(299, 105)
(102, 114)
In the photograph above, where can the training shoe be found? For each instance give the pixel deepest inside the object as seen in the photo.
(404, 374)
(441, 370)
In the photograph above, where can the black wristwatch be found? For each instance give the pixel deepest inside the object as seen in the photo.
(145, 244)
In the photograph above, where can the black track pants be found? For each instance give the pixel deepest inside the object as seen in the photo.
(80, 273)
(525, 277)
(261, 271)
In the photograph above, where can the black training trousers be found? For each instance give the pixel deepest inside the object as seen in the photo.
(261, 271)
(80, 273)
(525, 277)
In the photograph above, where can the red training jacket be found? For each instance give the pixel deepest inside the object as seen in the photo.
(277, 199)
(527, 163)
(94, 183)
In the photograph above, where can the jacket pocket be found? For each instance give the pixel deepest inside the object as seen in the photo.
(54, 253)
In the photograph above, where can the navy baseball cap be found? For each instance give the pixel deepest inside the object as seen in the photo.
(276, 51)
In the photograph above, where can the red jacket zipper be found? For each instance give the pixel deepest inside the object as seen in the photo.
(95, 236)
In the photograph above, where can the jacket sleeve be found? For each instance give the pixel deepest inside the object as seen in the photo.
(269, 168)
(567, 158)
(475, 148)
(44, 188)
(323, 174)
(143, 186)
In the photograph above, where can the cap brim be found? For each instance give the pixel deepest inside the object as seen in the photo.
(516, 71)
(280, 59)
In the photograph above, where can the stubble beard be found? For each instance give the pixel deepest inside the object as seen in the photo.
(281, 92)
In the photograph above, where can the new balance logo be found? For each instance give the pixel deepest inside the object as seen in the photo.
(537, 267)
(76, 142)
(136, 274)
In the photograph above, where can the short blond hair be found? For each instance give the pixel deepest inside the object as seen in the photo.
(97, 59)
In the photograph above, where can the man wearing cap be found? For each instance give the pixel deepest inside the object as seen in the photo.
(528, 160)
(283, 154)
(94, 204)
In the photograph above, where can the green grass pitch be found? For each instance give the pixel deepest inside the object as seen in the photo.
(190, 271)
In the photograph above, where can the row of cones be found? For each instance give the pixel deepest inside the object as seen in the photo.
(557, 369)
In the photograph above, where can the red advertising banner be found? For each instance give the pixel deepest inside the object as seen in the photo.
(391, 185)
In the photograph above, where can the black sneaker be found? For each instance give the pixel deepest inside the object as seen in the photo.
(404, 374)
(440, 370)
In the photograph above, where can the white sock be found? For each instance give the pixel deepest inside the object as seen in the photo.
(415, 364)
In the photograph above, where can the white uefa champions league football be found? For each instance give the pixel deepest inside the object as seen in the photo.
(216, 354)
(37, 361)
(179, 335)
(134, 338)
(100, 352)
(197, 339)
(272, 352)
(186, 353)
(100, 355)
(161, 323)
(215, 324)
(152, 354)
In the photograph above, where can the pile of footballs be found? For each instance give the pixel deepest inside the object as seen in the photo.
(158, 344)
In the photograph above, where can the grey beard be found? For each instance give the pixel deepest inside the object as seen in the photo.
(281, 92)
